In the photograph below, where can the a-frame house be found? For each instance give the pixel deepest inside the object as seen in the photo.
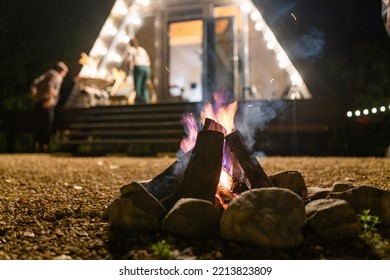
(196, 48)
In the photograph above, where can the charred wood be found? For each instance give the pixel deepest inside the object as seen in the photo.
(249, 164)
(170, 179)
(202, 174)
(210, 124)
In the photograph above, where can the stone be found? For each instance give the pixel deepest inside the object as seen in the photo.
(332, 218)
(193, 218)
(368, 197)
(136, 210)
(314, 193)
(269, 217)
(341, 187)
(292, 180)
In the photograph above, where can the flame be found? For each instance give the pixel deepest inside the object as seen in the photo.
(225, 180)
(223, 112)
(192, 132)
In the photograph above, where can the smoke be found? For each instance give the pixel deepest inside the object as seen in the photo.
(308, 45)
(256, 116)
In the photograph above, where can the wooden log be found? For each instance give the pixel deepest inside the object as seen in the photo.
(202, 174)
(249, 164)
(210, 124)
(170, 179)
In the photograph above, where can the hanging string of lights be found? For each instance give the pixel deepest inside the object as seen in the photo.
(365, 112)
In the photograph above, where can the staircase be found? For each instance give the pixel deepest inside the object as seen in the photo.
(133, 129)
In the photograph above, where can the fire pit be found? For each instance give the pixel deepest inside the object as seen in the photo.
(217, 188)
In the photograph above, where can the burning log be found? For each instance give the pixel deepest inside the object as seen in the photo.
(170, 179)
(210, 124)
(202, 174)
(249, 164)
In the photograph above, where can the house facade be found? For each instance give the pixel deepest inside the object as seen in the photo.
(196, 48)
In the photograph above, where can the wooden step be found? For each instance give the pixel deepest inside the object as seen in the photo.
(130, 117)
(174, 141)
(121, 126)
(126, 133)
(126, 125)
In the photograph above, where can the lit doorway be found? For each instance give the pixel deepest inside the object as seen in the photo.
(202, 58)
(185, 60)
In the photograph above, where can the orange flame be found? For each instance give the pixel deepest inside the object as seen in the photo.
(224, 115)
(191, 127)
(222, 112)
(225, 180)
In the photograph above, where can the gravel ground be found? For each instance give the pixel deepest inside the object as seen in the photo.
(51, 207)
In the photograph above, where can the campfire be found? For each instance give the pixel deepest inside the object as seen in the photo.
(217, 187)
(214, 166)
(216, 163)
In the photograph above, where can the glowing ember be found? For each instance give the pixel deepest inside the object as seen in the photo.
(225, 180)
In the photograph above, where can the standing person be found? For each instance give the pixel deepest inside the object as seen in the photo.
(139, 61)
(45, 95)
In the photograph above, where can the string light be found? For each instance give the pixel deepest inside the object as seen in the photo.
(114, 56)
(120, 9)
(99, 49)
(136, 20)
(270, 45)
(109, 29)
(259, 26)
(294, 79)
(255, 15)
(366, 112)
(246, 7)
(268, 36)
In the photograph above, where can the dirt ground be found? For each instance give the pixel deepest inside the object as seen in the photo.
(51, 207)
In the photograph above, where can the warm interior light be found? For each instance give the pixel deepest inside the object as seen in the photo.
(144, 2)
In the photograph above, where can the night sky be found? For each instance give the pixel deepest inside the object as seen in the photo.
(35, 34)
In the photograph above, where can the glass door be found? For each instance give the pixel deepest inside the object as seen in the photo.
(185, 60)
(202, 58)
(220, 62)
